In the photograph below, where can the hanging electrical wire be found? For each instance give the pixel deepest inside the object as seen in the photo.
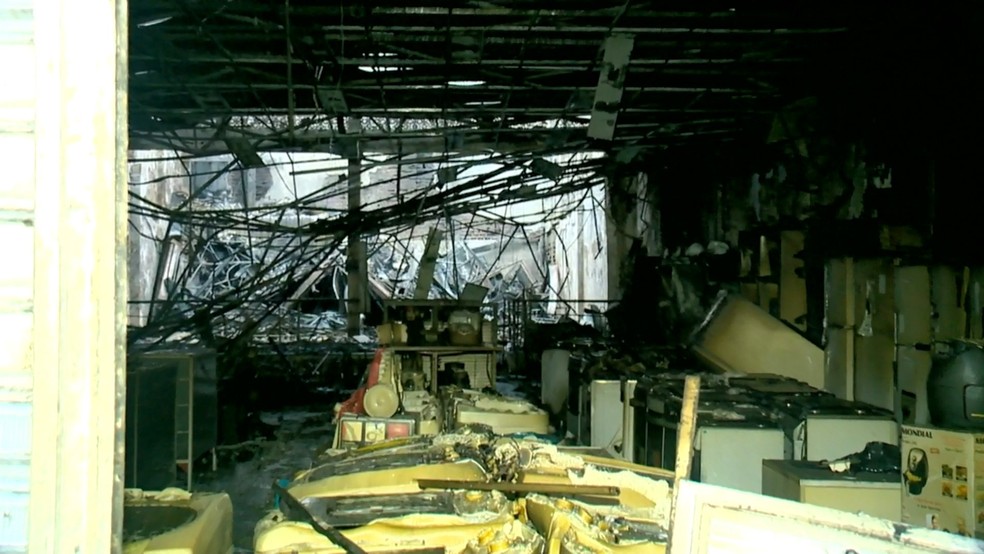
(244, 258)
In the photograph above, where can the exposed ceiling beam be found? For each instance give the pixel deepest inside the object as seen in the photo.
(704, 72)
(528, 64)
(454, 112)
(593, 29)
(154, 88)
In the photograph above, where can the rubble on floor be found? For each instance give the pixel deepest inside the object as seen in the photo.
(474, 492)
(248, 470)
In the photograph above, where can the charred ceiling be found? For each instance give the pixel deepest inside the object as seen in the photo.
(507, 75)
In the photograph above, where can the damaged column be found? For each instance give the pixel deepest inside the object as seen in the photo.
(631, 217)
(619, 207)
(356, 299)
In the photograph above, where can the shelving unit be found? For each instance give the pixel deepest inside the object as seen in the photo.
(159, 441)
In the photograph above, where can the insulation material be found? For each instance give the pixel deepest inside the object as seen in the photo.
(576, 527)
(174, 520)
(656, 492)
(504, 416)
(412, 532)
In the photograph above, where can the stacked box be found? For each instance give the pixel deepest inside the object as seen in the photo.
(943, 479)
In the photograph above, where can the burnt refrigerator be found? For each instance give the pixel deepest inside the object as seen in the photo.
(627, 450)
(607, 411)
(827, 428)
(733, 436)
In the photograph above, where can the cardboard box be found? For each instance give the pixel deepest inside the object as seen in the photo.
(750, 291)
(840, 292)
(975, 304)
(792, 285)
(875, 494)
(943, 479)
(874, 370)
(740, 337)
(914, 366)
(874, 296)
(769, 297)
(839, 362)
(948, 303)
(913, 304)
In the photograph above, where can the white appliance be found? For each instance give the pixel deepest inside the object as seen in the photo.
(732, 456)
(555, 380)
(579, 414)
(829, 437)
(607, 411)
(628, 420)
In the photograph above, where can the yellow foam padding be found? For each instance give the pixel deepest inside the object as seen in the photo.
(209, 533)
(388, 481)
(614, 463)
(385, 535)
(566, 533)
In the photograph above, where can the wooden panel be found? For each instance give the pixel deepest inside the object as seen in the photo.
(79, 276)
(16, 277)
(17, 185)
(715, 519)
(17, 63)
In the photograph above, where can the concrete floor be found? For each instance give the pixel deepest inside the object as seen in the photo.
(287, 442)
(297, 436)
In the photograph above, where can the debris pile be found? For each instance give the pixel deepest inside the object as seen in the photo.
(470, 491)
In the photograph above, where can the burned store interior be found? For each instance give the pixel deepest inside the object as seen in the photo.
(492, 277)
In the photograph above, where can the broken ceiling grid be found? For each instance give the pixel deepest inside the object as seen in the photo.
(194, 63)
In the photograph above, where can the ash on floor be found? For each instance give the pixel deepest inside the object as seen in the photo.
(289, 443)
